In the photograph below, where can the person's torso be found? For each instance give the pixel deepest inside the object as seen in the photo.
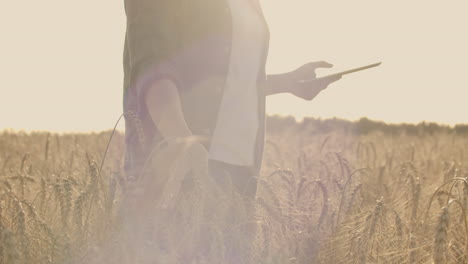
(198, 40)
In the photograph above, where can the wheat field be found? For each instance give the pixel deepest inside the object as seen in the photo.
(330, 191)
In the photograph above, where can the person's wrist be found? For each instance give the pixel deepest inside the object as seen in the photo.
(280, 83)
(284, 83)
(290, 83)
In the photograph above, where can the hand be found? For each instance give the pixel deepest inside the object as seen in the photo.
(304, 83)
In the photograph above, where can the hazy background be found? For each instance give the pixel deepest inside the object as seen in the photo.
(61, 60)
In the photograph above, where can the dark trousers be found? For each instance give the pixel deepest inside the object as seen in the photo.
(242, 178)
(241, 226)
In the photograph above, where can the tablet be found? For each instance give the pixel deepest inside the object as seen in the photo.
(351, 71)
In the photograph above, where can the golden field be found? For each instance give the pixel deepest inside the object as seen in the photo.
(330, 191)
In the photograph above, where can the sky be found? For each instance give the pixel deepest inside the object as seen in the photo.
(61, 60)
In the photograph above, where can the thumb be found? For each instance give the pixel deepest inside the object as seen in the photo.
(320, 64)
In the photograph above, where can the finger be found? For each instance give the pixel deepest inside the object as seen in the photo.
(325, 82)
(321, 64)
(335, 78)
(331, 79)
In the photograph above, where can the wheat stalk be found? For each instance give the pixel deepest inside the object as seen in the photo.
(440, 237)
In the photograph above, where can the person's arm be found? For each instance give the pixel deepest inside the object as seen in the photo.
(290, 82)
(277, 83)
(163, 104)
(155, 78)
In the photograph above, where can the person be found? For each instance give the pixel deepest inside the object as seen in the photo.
(198, 68)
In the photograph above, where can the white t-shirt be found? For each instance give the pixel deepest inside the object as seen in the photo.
(233, 139)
